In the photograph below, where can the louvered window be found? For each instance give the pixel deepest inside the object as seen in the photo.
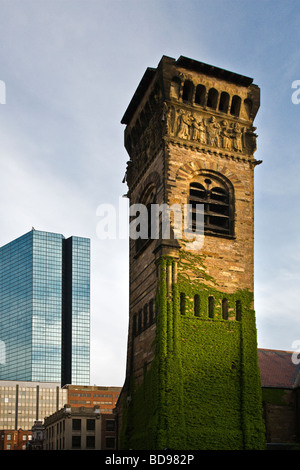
(216, 201)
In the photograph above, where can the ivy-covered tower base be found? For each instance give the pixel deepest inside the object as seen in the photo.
(192, 378)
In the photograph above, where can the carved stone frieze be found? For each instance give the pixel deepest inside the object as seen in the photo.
(205, 129)
(191, 128)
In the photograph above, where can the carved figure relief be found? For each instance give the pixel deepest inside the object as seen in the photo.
(213, 132)
(183, 125)
(237, 137)
(225, 135)
(208, 130)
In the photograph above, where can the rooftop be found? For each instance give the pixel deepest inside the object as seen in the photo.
(186, 63)
(277, 369)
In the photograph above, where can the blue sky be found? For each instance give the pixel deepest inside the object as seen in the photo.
(70, 68)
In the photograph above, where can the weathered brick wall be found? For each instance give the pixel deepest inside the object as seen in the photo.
(228, 261)
(143, 278)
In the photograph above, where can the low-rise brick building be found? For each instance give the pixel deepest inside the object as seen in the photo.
(280, 379)
(89, 396)
(15, 440)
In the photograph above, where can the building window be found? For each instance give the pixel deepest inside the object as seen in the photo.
(200, 95)
(90, 442)
(110, 425)
(182, 303)
(76, 442)
(235, 105)
(188, 90)
(110, 442)
(225, 309)
(217, 201)
(76, 424)
(197, 305)
(90, 425)
(211, 307)
(175, 88)
(224, 102)
(212, 99)
(248, 106)
(238, 310)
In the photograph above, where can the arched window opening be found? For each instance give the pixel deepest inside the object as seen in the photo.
(211, 307)
(235, 105)
(197, 305)
(175, 88)
(188, 91)
(225, 309)
(200, 95)
(182, 303)
(217, 214)
(238, 310)
(248, 106)
(212, 99)
(224, 102)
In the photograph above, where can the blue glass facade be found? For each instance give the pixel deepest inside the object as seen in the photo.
(45, 309)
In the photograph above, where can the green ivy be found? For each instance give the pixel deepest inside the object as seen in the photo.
(202, 390)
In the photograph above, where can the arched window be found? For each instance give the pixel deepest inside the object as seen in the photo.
(175, 88)
(235, 105)
(200, 95)
(248, 106)
(238, 310)
(211, 307)
(218, 205)
(182, 303)
(212, 99)
(224, 102)
(197, 305)
(225, 309)
(188, 91)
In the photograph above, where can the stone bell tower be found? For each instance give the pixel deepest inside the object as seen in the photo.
(192, 377)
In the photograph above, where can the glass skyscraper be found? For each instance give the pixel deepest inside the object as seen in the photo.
(45, 309)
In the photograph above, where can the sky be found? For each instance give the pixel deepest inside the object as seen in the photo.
(68, 70)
